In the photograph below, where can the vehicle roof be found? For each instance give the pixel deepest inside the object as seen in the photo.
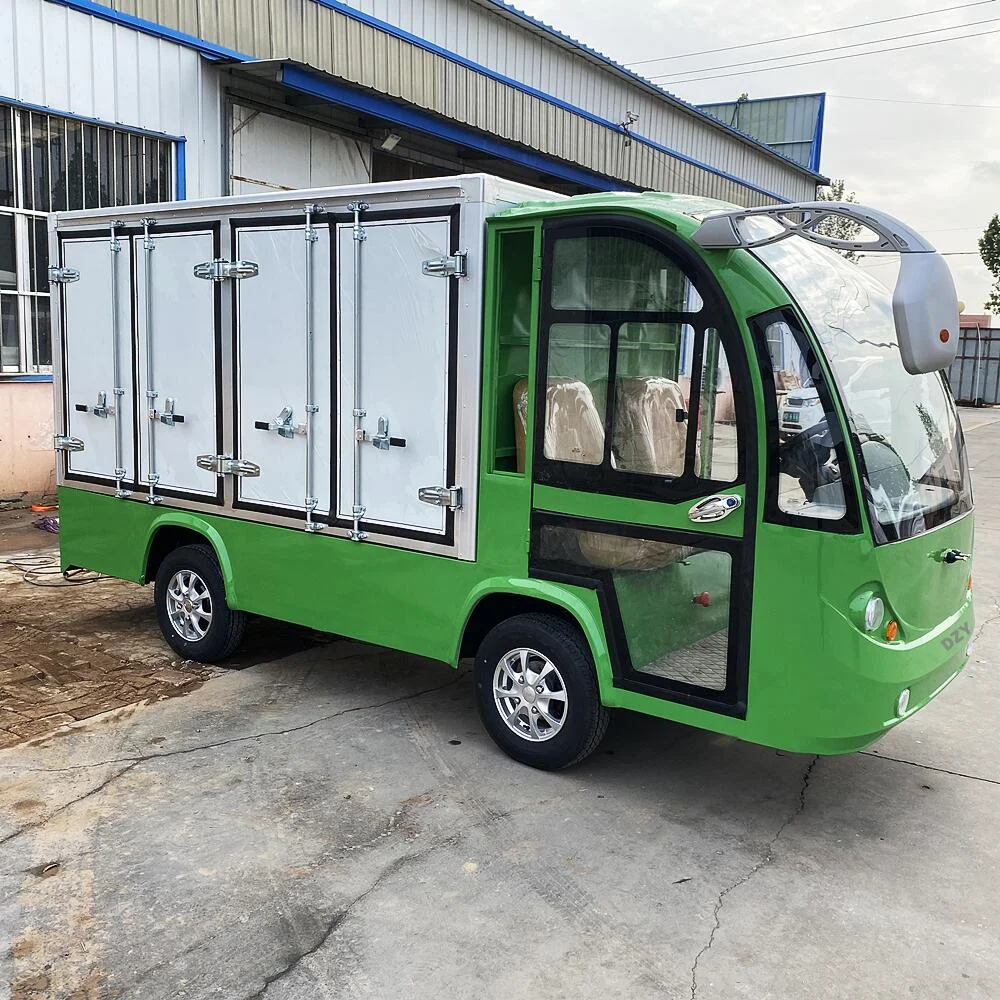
(685, 211)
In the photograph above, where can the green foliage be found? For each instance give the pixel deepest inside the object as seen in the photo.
(989, 250)
(841, 229)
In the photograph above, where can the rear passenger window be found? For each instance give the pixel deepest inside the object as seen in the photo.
(628, 355)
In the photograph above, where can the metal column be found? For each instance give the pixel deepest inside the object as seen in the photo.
(357, 510)
(148, 246)
(312, 501)
(115, 247)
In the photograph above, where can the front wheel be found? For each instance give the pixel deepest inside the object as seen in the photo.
(537, 692)
(190, 599)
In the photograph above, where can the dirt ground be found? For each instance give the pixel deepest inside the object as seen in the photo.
(70, 651)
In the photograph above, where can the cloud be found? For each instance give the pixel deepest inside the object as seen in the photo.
(986, 170)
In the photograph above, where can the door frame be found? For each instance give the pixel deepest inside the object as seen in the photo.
(285, 223)
(195, 226)
(676, 493)
(453, 214)
(127, 334)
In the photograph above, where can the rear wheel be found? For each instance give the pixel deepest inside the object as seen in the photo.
(190, 599)
(537, 692)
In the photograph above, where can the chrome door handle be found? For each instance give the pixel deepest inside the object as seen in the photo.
(954, 556)
(715, 508)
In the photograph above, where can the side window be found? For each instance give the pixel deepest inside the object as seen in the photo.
(715, 439)
(807, 452)
(626, 344)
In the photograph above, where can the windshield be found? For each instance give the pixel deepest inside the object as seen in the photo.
(905, 429)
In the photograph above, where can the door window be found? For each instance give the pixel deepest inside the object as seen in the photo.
(669, 599)
(635, 393)
(808, 459)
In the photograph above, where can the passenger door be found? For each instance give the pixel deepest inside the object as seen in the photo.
(644, 456)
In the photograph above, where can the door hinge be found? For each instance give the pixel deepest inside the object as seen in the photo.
(455, 266)
(221, 270)
(63, 275)
(63, 442)
(226, 465)
(441, 496)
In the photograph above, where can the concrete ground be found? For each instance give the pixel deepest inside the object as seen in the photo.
(335, 823)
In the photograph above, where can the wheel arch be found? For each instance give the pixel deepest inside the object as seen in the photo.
(495, 601)
(174, 529)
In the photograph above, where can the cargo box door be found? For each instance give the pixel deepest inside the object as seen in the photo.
(178, 363)
(283, 379)
(404, 377)
(90, 397)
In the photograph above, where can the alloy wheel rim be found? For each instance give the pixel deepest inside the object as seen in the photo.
(530, 695)
(189, 605)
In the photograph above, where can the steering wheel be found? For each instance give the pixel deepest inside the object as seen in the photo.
(811, 458)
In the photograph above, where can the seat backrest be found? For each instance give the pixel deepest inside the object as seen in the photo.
(648, 436)
(574, 430)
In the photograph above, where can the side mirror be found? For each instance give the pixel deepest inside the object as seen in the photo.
(924, 302)
(925, 310)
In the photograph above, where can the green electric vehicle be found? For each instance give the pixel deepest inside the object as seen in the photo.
(627, 451)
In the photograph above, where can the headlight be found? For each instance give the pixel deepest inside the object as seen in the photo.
(811, 402)
(874, 613)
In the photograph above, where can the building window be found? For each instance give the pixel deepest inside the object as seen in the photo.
(53, 164)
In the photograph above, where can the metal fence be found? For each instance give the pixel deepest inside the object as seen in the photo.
(974, 375)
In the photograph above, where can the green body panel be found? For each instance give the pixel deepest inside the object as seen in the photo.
(817, 682)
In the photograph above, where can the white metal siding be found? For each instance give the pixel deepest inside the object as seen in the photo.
(269, 151)
(75, 64)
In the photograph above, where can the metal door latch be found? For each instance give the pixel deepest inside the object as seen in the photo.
(167, 415)
(63, 275)
(100, 410)
(441, 496)
(221, 269)
(382, 441)
(715, 508)
(455, 266)
(226, 465)
(282, 424)
(63, 442)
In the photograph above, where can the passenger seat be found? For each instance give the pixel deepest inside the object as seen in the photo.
(574, 432)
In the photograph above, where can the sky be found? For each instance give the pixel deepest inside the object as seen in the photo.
(937, 168)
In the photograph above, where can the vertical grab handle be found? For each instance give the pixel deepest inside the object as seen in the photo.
(312, 409)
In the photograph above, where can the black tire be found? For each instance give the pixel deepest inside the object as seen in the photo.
(585, 719)
(224, 630)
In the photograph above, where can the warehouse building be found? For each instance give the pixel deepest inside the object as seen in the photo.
(114, 102)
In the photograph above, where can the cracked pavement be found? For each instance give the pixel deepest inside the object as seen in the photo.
(334, 823)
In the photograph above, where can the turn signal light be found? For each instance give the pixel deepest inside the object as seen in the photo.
(945, 336)
(968, 585)
(891, 630)
(704, 599)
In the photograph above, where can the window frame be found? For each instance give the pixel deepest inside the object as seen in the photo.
(20, 119)
(715, 313)
(850, 523)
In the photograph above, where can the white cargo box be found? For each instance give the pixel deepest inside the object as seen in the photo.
(309, 359)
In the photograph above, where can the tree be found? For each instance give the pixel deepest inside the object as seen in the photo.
(839, 228)
(989, 250)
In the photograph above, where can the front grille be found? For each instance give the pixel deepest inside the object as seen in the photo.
(795, 401)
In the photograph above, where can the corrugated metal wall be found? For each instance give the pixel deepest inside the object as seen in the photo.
(787, 123)
(479, 31)
(974, 375)
(80, 65)
(336, 43)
